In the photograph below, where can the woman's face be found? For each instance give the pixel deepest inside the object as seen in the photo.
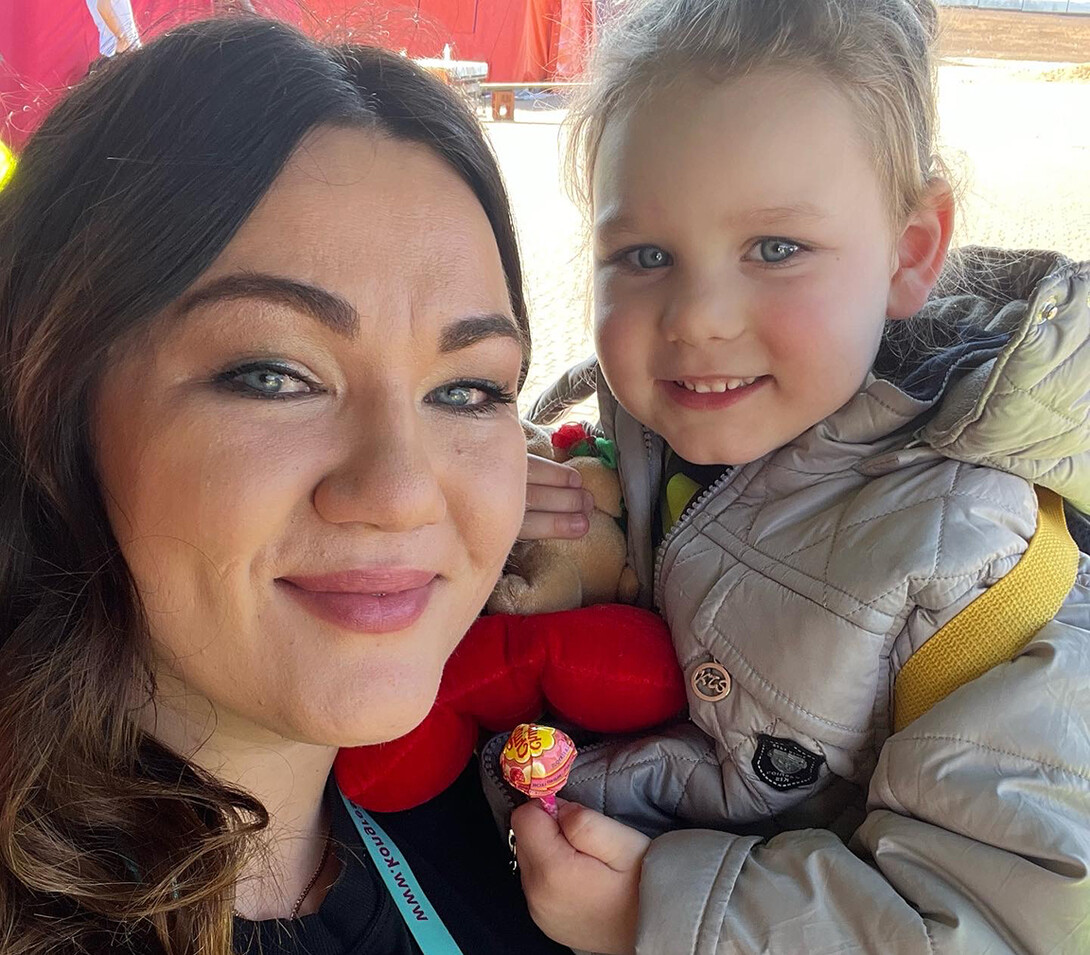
(313, 464)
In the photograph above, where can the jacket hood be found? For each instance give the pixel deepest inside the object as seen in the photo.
(1001, 355)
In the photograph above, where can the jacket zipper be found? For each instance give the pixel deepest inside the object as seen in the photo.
(686, 515)
(648, 446)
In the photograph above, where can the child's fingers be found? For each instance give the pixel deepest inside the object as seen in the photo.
(543, 525)
(620, 847)
(574, 896)
(544, 471)
(556, 504)
(538, 840)
(558, 500)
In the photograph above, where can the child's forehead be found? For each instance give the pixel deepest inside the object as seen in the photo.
(770, 109)
(774, 142)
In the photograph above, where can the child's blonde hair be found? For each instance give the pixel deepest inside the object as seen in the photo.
(876, 52)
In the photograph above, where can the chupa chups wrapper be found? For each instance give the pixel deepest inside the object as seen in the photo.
(536, 760)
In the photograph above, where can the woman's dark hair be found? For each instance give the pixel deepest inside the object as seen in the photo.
(131, 188)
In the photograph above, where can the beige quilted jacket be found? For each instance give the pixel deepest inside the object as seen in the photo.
(788, 817)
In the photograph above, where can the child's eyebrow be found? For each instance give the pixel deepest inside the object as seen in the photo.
(621, 222)
(798, 210)
(615, 222)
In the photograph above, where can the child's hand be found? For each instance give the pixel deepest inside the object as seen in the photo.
(556, 504)
(581, 876)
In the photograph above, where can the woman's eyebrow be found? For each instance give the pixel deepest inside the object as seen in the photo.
(333, 311)
(468, 331)
(329, 309)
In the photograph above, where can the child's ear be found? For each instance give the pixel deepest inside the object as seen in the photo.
(921, 251)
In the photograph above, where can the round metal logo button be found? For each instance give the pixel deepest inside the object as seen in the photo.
(710, 681)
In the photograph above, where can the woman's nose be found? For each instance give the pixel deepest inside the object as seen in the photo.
(388, 478)
(703, 310)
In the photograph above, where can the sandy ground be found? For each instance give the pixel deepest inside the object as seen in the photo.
(1018, 145)
(1012, 35)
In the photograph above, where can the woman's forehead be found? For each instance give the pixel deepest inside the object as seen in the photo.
(363, 214)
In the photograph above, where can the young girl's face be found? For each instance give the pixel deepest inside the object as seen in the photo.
(744, 253)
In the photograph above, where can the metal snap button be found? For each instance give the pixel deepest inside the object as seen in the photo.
(710, 681)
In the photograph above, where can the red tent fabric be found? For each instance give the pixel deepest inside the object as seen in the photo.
(48, 45)
(487, 30)
(555, 37)
(520, 40)
(43, 47)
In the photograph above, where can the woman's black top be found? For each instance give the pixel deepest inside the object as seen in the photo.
(453, 848)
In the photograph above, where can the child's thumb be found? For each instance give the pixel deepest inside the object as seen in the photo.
(620, 847)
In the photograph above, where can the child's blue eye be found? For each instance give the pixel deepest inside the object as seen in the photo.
(776, 250)
(648, 257)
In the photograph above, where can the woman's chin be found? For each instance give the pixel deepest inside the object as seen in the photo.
(381, 717)
(394, 727)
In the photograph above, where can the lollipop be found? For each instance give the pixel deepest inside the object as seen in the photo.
(536, 760)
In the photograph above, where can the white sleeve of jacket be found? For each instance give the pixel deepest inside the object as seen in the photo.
(976, 842)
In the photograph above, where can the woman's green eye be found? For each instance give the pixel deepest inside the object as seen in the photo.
(471, 397)
(274, 382)
(458, 396)
(266, 381)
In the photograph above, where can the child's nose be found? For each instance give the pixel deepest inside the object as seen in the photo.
(703, 311)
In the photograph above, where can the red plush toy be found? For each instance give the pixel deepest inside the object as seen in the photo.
(608, 668)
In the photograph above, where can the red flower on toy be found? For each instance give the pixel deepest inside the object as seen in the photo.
(569, 435)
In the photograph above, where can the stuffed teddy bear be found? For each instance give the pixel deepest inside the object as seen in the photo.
(608, 668)
(544, 576)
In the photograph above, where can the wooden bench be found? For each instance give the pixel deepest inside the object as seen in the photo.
(503, 95)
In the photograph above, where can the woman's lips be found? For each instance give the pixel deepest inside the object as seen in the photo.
(709, 400)
(364, 601)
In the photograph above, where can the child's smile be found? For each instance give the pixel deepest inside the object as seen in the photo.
(744, 261)
(710, 394)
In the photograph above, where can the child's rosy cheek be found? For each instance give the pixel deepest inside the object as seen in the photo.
(794, 320)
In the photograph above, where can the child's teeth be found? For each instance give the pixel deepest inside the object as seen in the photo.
(723, 384)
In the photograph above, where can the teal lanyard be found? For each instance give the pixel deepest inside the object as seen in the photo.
(419, 914)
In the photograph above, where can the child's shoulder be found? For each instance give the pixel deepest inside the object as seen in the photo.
(938, 489)
(923, 527)
(944, 530)
(1020, 407)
